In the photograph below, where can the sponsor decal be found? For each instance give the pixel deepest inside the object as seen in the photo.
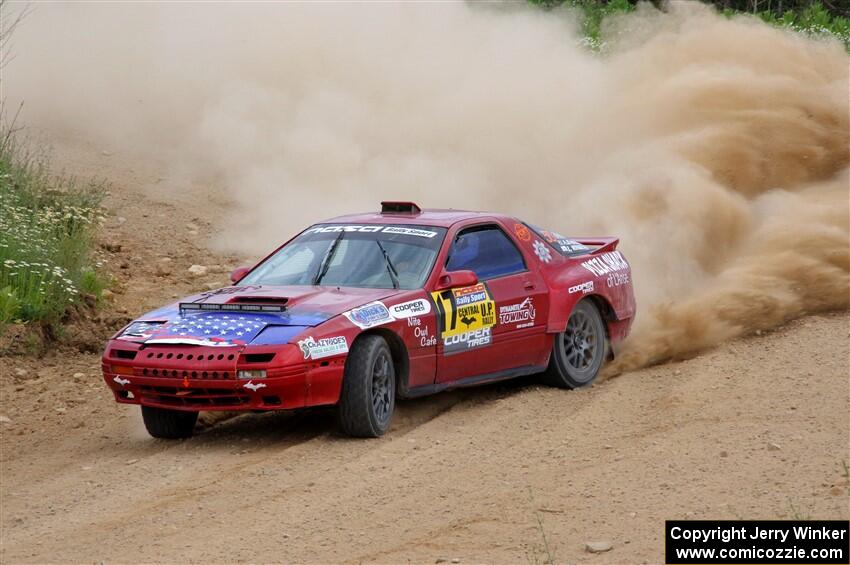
(606, 263)
(325, 347)
(369, 316)
(467, 312)
(254, 386)
(522, 313)
(549, 236)
(377, 313)
(584, 288)
(398, 230)
(522, 232)
(466, 341)
(542, 251)
(121, 381)
(617, 279)
(570, 247)
(409, 231)
(418, 307)
(562, 244)
(422, 332)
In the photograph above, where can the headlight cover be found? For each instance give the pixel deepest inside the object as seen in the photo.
(140, 329)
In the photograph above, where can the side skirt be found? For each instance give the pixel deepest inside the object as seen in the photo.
(472, 381)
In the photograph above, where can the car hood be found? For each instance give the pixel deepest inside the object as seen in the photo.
(300, 307)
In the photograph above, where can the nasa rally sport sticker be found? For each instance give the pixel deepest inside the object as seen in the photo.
(466, 317)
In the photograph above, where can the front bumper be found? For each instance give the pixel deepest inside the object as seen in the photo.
(180, 385)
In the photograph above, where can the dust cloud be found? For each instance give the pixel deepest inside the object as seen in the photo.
(717, 149)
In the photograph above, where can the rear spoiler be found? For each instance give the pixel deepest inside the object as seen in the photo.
(600, 244)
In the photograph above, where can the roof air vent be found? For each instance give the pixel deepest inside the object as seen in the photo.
(392, 207)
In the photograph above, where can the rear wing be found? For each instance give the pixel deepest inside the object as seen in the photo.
(599, 244)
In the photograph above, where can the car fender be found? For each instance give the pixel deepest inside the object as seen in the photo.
(612, 292)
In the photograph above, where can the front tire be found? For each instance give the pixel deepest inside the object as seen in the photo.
(367, 400)
(579, 351)
(169, 424)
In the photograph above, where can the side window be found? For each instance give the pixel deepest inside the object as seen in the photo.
(485, 250)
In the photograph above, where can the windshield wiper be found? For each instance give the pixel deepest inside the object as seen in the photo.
(326, 260)
(390, 267)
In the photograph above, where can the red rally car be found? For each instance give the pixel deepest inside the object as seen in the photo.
(362, 309)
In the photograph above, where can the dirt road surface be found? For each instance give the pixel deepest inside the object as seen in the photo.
(512, 473)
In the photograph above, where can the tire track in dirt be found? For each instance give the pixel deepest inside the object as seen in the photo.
(464, 474)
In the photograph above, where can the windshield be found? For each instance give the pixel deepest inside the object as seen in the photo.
(366, 256)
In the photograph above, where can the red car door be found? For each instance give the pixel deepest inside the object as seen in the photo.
(497, 324)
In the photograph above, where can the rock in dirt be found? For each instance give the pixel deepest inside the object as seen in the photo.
(773, 447)
(197, 270)
(5, 420)
(111, 246)
(19, 372)
(163, 269)
(598, 546)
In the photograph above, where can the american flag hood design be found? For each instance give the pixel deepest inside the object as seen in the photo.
(299, 308)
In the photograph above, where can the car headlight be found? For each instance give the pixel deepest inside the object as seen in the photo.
(252, 374)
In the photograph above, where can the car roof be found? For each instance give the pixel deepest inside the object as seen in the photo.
(427, 217)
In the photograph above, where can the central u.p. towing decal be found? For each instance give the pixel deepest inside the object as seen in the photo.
(466, 317)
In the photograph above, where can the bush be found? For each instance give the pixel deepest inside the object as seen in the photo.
(811, 17)
(47, 226)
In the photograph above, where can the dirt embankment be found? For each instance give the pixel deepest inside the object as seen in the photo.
(756, 428)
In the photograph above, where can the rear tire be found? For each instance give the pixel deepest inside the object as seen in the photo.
(367, 400)
(579, 351)
(169, 424)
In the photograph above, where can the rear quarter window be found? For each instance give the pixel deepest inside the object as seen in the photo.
(561, 244)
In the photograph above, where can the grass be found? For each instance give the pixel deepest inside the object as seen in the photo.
(47, 229)
(811, 19)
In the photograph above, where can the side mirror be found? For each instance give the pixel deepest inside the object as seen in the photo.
(456, 279)
(238, 274)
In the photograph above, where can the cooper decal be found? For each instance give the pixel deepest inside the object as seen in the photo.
(522, 313)
(254, 386)
(369, 316)
(584, 288)
(606, 263)
(465, 316)
(458, 343)
(325, 347)
(542, 251)
(418, 307)
(121, 381)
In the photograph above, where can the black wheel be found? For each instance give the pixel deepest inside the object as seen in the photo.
(169, 424)
(367, 400)
(579, 351)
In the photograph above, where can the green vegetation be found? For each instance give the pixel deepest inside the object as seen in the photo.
(47, 225)
(810, 17)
